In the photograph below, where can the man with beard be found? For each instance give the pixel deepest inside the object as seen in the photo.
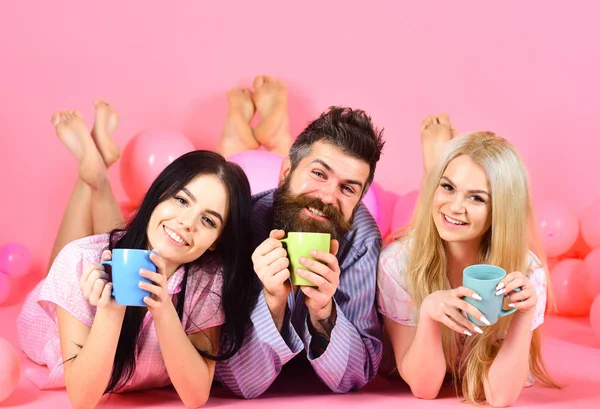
(333, 326)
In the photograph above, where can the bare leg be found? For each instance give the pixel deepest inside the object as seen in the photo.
(237, 133)
(92, 208)
(77, 219)
(273, 131)
(436, 132)
(106, 214)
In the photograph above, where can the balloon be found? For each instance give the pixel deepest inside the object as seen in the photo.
(145, 156)
(558, 228)
(127, 209)
(403, 210)
(595, 316)
(387, 202)
(568, 283)
(15, 259)
(261, 167)
(579, 249)
(371, 200)
(591, 269)
(590, 225)
(5, 287)
(10, 370)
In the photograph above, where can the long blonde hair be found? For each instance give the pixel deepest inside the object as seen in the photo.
(505, 244)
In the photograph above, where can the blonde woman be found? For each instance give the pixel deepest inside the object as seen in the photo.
(474, 208)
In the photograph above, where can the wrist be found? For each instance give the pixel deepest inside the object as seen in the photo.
(275, 304)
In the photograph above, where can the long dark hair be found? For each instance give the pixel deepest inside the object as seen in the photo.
(232, 255)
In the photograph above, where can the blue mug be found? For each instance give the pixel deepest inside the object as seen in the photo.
(483, 279)
(125, 266)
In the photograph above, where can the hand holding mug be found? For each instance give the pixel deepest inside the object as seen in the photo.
(159, 297)
(95, 284)
(271, 266)
(518, 291)
(445, 306)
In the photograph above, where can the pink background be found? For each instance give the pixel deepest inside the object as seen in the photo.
(527, 70)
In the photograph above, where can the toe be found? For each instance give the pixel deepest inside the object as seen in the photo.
(444, 119)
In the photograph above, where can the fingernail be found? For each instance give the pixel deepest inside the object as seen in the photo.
(511, 305)
(313, 253)
(500, 285)
(502, 291)
(478, 330)
(299, 271)
(302, 259)
(476, 296)
(484, 320)
(468, 333)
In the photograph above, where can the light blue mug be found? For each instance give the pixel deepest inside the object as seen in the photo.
(483, 279)
(125, 266)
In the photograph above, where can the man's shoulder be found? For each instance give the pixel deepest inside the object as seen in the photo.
(364, 227)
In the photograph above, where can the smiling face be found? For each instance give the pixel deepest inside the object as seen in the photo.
(184, 226)
(462, 207)
(322, 192)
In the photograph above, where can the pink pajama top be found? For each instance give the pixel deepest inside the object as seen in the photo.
(38, 326)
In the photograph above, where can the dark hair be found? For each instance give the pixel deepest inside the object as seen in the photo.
(233, 255)
(350, 130)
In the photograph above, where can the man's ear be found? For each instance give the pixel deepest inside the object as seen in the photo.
(286, 167)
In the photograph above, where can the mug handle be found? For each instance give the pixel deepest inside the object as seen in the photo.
(109, 263)
(504, 313)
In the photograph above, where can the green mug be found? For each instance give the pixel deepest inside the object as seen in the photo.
(300, 244)
(483, 279)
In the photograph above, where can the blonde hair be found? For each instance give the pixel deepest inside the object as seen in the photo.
(505, 244)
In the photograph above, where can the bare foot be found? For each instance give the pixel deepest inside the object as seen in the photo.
(273, 131)
(436, 132)
(73, 132)
(104, 126)
(237, 133)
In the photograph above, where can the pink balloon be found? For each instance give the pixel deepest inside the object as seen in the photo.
(5, 287)
(591, 269)
(145, 156)
(371, 200)
(595, 316)
(387, 202)
(127, 209)
(15, 259)
(403, 210)
(558, 227)
(261, 167)
(590, 225)
(568, 282)
(10, 370)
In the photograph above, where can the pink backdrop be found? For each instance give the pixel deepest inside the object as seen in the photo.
(527, 70)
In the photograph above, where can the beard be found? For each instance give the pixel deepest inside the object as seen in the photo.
(288, 208)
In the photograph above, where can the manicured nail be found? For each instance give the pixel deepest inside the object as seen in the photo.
(502, 291)
(478, 330)
(500, 285)
(484, 320)
(511, 305)
(476, 297)
(468, 333)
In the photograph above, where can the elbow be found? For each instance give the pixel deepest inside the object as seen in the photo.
(197, 402)
(501, 401)
(425, 392)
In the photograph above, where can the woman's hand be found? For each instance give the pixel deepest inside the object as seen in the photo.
(446, 306)
(159, 290)
(524, 300)
(95, 284)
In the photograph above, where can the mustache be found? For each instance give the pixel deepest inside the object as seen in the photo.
(286, 215)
